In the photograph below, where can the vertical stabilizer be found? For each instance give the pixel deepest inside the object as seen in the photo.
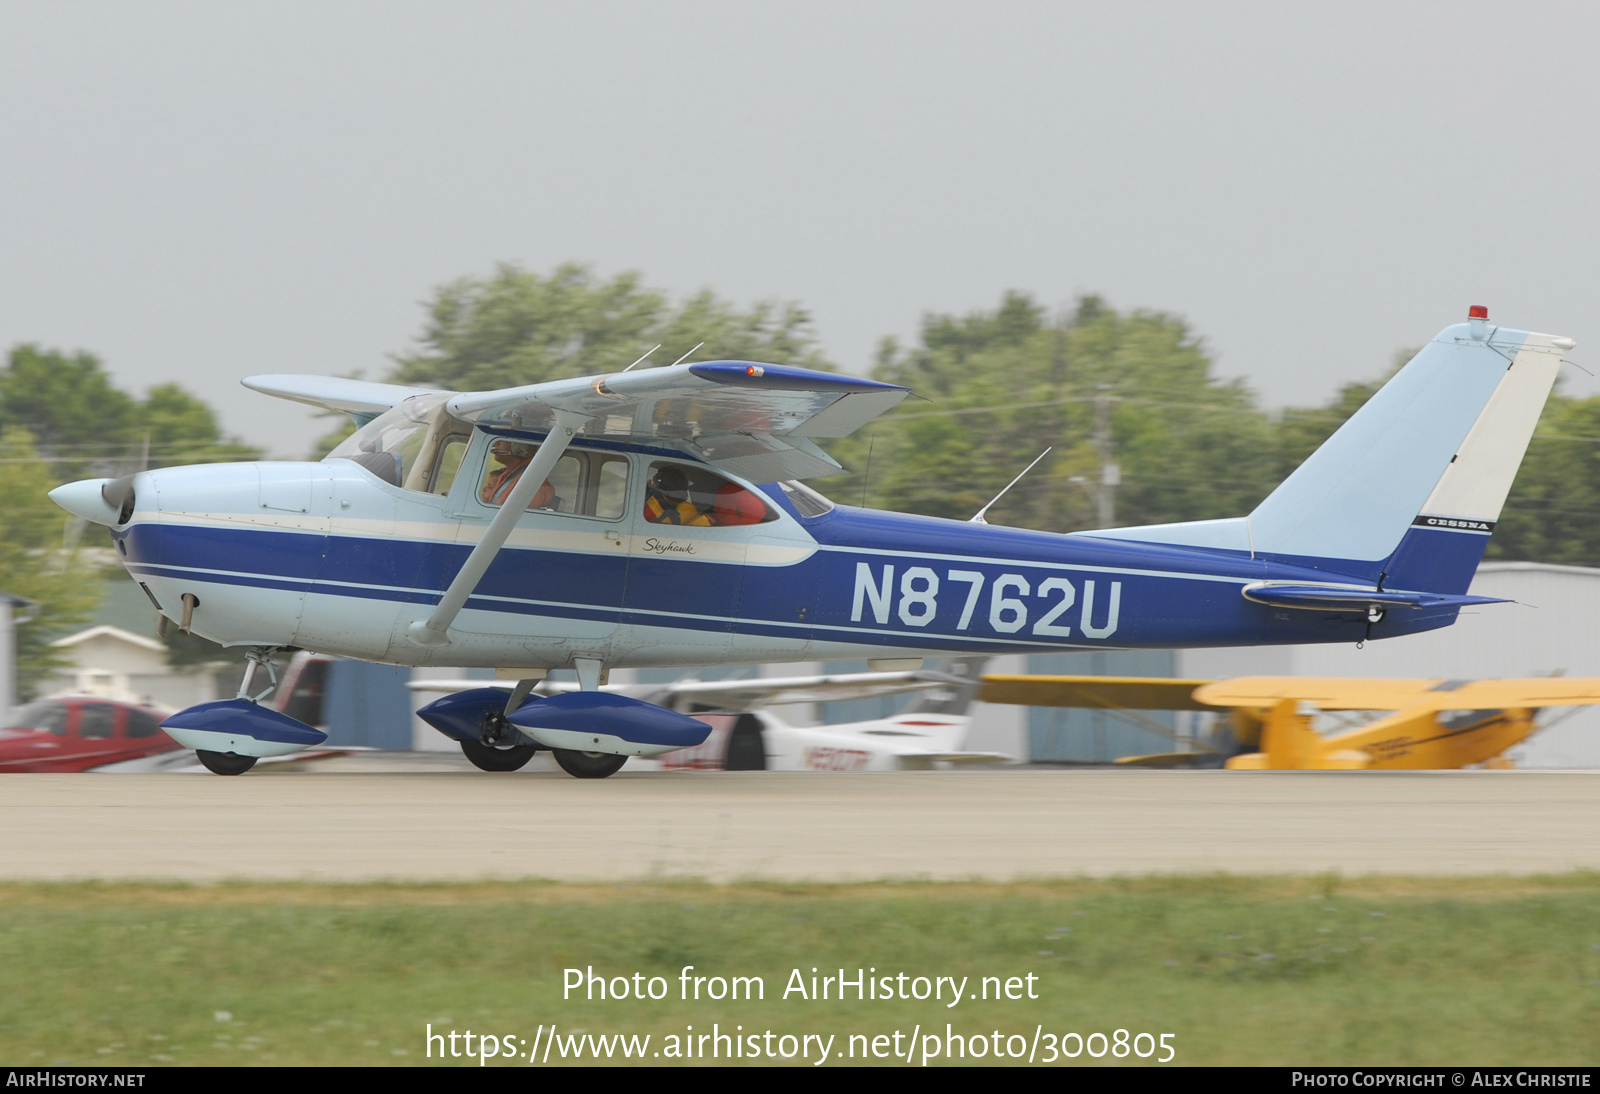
(1449, 429)
(1409, 488)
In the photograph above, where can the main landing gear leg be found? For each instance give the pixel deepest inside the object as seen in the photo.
(494, 749)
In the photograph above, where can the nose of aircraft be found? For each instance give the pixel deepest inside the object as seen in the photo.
(88, 498)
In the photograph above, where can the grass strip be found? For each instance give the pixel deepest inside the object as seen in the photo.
(1242, 970)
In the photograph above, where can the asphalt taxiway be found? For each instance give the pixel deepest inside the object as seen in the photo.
(425, 818)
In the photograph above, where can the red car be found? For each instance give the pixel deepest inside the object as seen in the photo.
(79, 733)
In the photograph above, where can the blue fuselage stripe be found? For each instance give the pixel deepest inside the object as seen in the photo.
(878, 579)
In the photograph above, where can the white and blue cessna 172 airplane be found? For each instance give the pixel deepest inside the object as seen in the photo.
(656, 517)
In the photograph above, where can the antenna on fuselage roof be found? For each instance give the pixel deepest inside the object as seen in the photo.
(647, 353)
(688, 355)
(978, 517)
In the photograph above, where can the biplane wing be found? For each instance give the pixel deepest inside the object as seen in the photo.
(1340, 693)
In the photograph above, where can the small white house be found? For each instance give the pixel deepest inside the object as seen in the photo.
(112, 663)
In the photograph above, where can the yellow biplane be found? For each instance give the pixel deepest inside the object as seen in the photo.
(1434, 724)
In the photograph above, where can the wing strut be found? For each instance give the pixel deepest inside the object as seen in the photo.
(435, 630)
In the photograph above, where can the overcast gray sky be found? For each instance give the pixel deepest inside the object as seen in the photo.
(200, 191)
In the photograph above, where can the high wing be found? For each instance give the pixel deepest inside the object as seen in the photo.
(754, 421)
(1335, 693)
(1097, 692)
(734, 695)
(363, 400)
(746, 419)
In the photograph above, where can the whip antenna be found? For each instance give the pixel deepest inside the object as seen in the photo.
(647, 353)
(688, 355)
(978, 517)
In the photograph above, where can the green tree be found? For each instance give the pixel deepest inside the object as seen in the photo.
(180, 428)
(1136, 389)
(69, 407)
(1553, 511)
(518, 327)
(86, 425)
(34, 562)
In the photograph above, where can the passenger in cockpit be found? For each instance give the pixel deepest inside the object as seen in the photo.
(514, 459)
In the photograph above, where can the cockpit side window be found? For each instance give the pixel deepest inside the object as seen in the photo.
(699, 498)
(583, 483)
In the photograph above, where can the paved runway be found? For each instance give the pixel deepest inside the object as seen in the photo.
(362, 819)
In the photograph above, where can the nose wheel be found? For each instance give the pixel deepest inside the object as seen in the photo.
(225, 763)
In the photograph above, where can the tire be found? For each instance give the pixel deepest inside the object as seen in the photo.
(588, 765)
(225, 763)
(488, 758)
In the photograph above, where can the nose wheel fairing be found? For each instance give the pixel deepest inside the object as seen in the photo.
(240, 727)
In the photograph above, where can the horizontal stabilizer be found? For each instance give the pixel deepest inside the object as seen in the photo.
(1326, 598)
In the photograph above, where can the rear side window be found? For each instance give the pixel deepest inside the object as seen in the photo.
(700, 498)
(808, 501)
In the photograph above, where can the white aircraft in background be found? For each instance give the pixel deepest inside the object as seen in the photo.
(746, 736)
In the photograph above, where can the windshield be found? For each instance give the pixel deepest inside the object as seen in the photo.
(400, 445)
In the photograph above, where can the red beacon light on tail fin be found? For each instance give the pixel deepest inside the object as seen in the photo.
(1478, 311)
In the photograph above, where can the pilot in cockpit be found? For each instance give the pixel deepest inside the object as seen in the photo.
(668, 500)
(513, 459)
